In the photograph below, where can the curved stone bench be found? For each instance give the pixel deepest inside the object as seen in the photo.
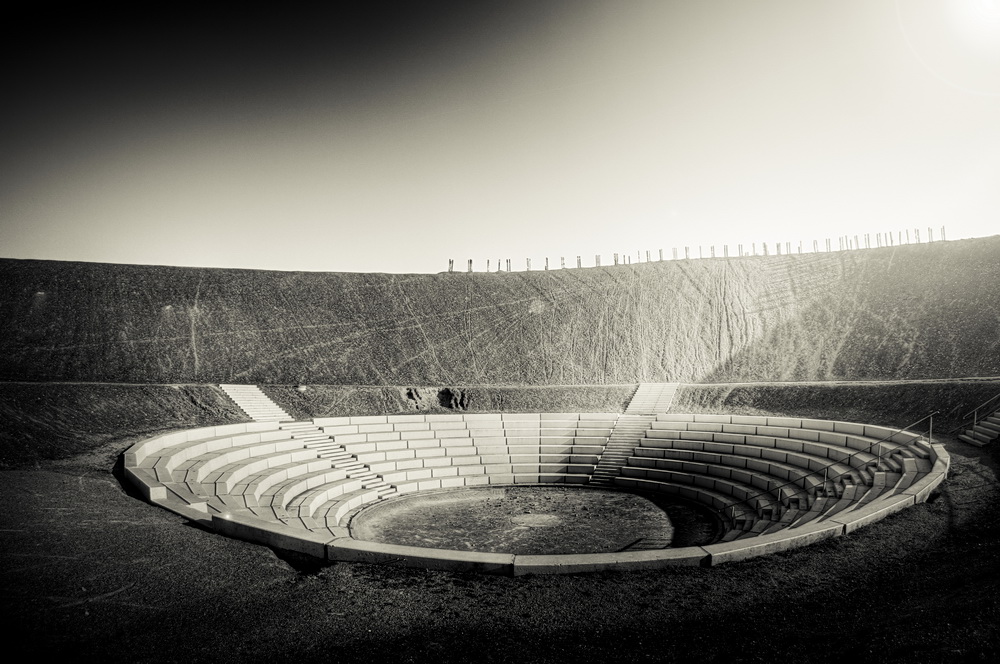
(305, 488)
(787, 450)
(798, 474)
(860, 437)
(760, 501)
(719, 501)
(237, 473)
(775, 482)
(783, 490)
(264, 484)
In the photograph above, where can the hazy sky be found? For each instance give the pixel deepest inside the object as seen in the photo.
(395, 138)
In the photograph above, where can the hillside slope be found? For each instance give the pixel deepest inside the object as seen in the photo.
(917, 311)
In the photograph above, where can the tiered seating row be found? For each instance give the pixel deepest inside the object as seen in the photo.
(423, 452)
(271, 474)
(783, 470)
(353, 430)
(150, 465)
(863, 434)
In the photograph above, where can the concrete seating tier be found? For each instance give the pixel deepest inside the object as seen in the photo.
(268, 482)
(719, 501)
(237, 473)
(423, 452)
(774, 482)
(815, 458)
(779, 489)
(759, 500)
(796, 473)
(789, 471)
(314, 474)
(881, 442)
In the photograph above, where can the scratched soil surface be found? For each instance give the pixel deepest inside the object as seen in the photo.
(520, 520)
(89, 572)
(872, 314)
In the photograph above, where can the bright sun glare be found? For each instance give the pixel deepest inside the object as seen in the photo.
(957, 42)
(979, 23)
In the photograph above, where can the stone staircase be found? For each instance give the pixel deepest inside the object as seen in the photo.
(255, 403)
(313, 438)
(628, 432)
(652, 398)
(984, 432)
(649, 398)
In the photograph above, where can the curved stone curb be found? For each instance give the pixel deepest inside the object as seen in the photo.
(150, 469)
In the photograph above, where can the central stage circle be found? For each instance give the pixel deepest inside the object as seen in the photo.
(531, 520)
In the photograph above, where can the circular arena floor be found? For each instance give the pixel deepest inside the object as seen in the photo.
(537, 493)
(533, 520)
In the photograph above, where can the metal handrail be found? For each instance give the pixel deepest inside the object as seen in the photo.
(826, 478)
(975, 413)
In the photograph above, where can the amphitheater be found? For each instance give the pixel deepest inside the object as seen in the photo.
(777, 482)
(204, 463)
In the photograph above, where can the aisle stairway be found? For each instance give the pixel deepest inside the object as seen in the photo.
(652, 398)
(255, 403)
(627, 434)
(314, 438)
(649, 398)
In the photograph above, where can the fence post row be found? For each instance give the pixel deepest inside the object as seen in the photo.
(844, 242)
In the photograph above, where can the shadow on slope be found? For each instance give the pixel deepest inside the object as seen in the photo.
(58, 420)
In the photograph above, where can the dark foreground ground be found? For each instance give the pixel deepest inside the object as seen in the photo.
(90, 572)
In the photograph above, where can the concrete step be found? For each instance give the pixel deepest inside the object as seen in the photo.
(257, 405)
(982, 437)
(971, 441)
(651, 398)
(332, 450)
(336, 459)
(986, 426)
